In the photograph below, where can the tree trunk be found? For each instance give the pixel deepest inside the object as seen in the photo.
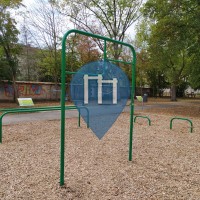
(15, 89)
(173, 93)
(58, 93)
(116, 51)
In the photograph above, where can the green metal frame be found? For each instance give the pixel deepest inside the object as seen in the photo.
(138, 116)
(40, 109)
(180, 118)
(63, 89)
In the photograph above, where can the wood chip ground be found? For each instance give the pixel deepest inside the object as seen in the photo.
(165, 166)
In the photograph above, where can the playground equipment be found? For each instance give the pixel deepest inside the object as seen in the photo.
(143, 117)
(180, 118)
(40, 109)
(64, 72)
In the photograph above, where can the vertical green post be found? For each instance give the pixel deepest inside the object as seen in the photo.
(79, 117)
(0, 129)
(132, 104)
(171, 123)
(63, 89)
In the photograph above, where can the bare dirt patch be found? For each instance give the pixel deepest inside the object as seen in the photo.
(166, 163)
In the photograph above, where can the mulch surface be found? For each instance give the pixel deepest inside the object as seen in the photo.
(180, 109)
(165, 165)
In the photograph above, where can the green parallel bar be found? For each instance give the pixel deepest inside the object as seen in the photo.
(138, 116)
(63, 78)
(47, 107)
(120, 61)
(40, 109)
(180, 118)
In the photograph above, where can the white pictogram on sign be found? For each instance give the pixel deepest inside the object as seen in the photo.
(100, 82)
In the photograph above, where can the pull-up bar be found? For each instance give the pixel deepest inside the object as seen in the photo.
(64, 72)
(180, 118)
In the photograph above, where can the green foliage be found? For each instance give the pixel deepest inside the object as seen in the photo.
(172, 38)
(180, 91)
(157, 81)
(49, 65)
(4, 69)
(194, 79)
(9, 48)
(8, 42)
(10, 4)
(148, 72)
(80, 50)
(141, 69)
(110, 18)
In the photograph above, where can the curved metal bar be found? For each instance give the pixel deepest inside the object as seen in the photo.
(39, 109)
(143, 117)
(180, 118)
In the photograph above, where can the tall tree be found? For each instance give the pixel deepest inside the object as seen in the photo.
(9, 39)
(170, 38)
(110, 18)
(28, 58)
(193, 16)
(148, 72)
(4, 68)
(45, 25)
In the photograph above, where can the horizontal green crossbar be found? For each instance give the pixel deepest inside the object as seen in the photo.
(90, 74)
(180, 118)
(40, 109)
(143, 117)
(119, 61)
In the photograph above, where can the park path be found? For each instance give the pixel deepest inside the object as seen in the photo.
(55, 115)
